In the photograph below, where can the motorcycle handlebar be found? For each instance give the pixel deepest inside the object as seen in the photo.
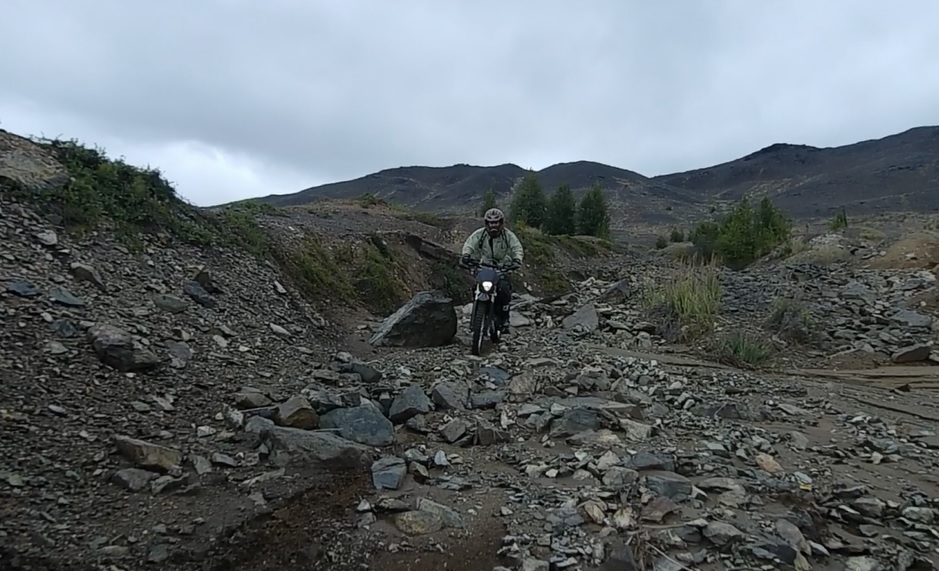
(478, 264)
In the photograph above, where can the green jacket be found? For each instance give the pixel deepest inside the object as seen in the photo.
(498, 251)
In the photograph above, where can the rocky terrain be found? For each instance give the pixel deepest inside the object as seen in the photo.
(893, 173)
(176, 406)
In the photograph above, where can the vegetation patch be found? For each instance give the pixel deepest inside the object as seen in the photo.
(791, 321)
(369, 200)
(315, 270)
(559, 214)
(744, 235)
(134, 202)
(687, 304)
(109, 193)
(376, 278)
(428, 218)
(839, 222)
(457, 284)
(744, 351)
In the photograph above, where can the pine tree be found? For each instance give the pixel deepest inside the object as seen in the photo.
(529, 205)
(593, 216)
(489, 201)
(561, 212)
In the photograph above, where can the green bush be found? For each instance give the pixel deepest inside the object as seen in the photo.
(109, 192)
(677, 235)
(743, 350)
(744, 235)
(529, 205)
(688, 301)
(661, 242)
(489, 201)
(561, 212)
(839, 222)
(593, 214)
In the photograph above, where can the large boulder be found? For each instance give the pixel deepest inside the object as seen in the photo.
(427, 320)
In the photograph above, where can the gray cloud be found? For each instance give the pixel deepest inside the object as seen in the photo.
(237, 98)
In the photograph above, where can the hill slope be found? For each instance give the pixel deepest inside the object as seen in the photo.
(899, 172)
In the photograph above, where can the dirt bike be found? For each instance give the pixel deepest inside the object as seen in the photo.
(484, 320)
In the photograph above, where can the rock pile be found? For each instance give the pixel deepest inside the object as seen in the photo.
(153, 403)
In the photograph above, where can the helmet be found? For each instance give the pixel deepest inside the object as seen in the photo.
(495, 220)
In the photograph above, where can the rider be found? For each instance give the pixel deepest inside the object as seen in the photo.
(497, 245)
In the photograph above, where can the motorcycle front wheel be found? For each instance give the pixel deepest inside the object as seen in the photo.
(478, 323)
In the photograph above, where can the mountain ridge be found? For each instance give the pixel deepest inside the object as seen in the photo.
(895, 172)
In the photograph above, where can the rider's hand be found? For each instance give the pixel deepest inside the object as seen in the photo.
(512, 265)
(466, 260)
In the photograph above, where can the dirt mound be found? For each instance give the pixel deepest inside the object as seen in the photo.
(918, 250)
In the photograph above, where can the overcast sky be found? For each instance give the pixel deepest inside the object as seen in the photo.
(241, 98)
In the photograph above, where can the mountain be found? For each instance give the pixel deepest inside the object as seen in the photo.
(899, 172)
(459, 189)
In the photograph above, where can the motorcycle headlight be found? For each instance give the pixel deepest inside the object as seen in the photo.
(487, 286)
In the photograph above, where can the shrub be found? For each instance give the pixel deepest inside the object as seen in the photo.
(744, 235)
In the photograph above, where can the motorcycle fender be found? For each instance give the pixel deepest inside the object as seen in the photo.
(480, 296)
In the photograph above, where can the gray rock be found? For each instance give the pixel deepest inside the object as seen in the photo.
(86, 273)
(22, 288)
(313, 446)
(296, 412)
(147, 455)
(911, 353)
(668, 484)
(427, 320)
(574, 421)
(453, 430)
(180, 354)
(450, 517)
(450, 395)
(586, 317)
(170, 303)
(117, 348)
(369, 374)
(418, 522)
(909, 318)
(63, 296)
(133, 479)
(409, 403)
(364, 424)
(721, 533)
(388, 473)
(198, 293)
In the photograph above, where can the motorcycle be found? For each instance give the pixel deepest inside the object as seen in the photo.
(484, 320)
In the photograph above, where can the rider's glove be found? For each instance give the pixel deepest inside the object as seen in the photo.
(466, 259)
(513, 265)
